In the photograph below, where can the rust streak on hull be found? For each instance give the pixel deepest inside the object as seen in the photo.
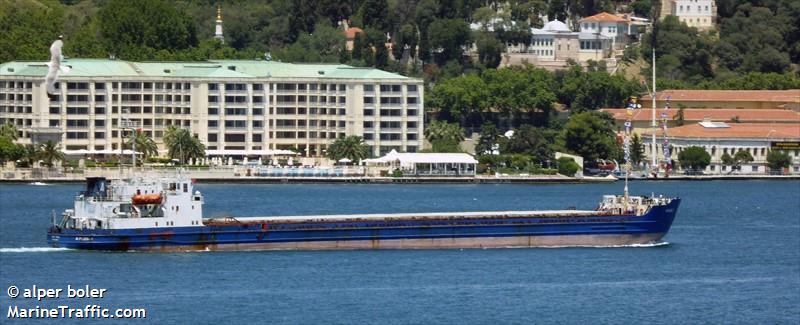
(430, 243)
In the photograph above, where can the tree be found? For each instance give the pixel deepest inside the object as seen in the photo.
(144, 144)
(679, 116)
(567, 166)
(631, 53)
(532, 141)
(28, 29)
(50, 153)
(591, 136)
(182, 145)
(446, 37)
(375, 14)
(742, 157)
(10, 151)
(32, 154)
(777, 160)
(642, 8)
(594, 89)
(727, 160)
(682, 51)
(444, 137)
(461, 98)
(406, 36)
(637, 149)
(517, 90)
(488, 139)
(135, 30)
(326, 44)
(350, 147)
(9, 131)
(694, 158)
(490, 50)
(441, 130)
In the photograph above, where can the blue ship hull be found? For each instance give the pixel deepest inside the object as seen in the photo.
(592, 230)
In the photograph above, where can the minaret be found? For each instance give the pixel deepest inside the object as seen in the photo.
(218, 30)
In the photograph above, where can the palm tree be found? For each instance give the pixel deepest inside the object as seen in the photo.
(182, 145)
(32, 154)
(9, 131)
(350, 147)
(50, 153)
(444, 137)
(144, 144)
(443, 131)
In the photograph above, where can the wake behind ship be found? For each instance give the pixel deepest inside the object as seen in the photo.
(165, 214)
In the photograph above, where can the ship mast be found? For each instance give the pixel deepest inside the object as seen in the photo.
(626, 144)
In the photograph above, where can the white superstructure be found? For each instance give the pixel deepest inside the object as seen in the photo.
(135, 203)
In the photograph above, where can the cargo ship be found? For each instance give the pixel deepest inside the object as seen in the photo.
(165, 214)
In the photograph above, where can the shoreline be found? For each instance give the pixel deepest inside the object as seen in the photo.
(423, 180)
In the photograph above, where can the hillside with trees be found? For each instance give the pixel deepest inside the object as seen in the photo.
(756, 45)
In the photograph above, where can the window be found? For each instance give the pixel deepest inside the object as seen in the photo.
(213, 86)
(258, 124)
(99, 135)
(99, 123)
(235, 111)
(235, 125)
(234, 137)
(213, 124)
(369, 112)
(77, 110)
(54, 110)
(369, 88)
(411, 88)
(235, 87)
(212, 137)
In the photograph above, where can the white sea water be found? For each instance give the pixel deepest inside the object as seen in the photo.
(32, 249)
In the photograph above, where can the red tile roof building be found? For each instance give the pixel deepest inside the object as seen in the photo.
(691, 115)
(734, 99)
(720, 138)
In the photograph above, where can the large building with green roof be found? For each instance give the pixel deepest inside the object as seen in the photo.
(233, 106)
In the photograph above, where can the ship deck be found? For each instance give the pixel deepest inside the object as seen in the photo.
(404, 216)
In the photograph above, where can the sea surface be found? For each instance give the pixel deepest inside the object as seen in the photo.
(731, 257)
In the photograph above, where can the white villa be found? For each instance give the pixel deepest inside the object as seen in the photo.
(695, 13)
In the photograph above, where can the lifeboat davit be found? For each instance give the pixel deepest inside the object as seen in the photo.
(146, 199)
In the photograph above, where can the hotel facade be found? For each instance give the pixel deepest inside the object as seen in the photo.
(239, 106)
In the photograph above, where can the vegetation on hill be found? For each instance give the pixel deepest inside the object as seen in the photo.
(756, 45)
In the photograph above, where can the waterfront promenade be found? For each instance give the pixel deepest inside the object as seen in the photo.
(348, 174)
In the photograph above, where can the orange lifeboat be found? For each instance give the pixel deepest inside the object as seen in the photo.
(146, 199)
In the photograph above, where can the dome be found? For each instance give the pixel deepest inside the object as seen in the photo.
(555, 26)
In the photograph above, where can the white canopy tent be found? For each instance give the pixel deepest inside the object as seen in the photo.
(99, 152)
(428, 163)
(229, 152)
